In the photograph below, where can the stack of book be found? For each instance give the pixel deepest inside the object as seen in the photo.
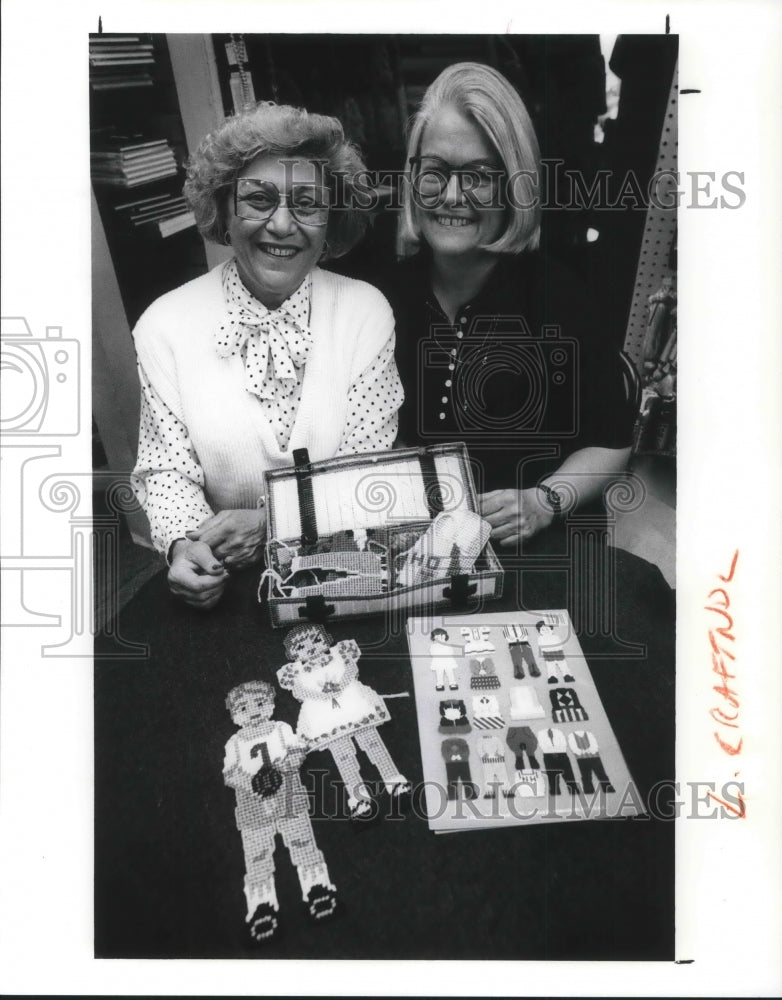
(165, 214)
(127, 161)
(120, 61)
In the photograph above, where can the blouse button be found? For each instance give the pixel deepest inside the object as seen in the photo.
(444, 399)
(462, 319)
(460, 334)
(453, 350)
(447, 383)
(442, 416)
(451, 367)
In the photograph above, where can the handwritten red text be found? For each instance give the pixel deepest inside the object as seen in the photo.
(723, 659)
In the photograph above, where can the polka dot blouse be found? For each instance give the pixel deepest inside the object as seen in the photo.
(274, 346)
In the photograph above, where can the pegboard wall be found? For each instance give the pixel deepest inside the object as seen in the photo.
(654, 261)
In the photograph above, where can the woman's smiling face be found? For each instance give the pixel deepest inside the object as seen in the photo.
(457, 224)
(275, 255)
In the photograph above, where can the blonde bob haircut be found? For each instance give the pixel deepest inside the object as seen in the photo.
(488, 99)
(284, 131)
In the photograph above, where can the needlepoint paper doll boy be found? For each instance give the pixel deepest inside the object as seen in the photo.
(262, 762)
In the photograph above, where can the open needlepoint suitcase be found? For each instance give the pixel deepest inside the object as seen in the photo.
(362, 534)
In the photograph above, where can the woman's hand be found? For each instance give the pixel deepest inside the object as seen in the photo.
(195, 575)
(235, 536)
(514, 515)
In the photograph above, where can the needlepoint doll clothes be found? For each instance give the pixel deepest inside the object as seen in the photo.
(524, 703)
(483, 674)
(550, 645)
(521, 401)
(230, 389)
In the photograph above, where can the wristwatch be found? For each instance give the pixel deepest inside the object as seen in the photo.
(553, 499)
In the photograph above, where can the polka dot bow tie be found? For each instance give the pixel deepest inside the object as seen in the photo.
(274, 343)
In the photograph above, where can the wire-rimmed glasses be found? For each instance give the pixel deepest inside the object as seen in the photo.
(257, 201)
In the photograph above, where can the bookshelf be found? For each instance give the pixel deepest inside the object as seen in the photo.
(144, 241)
(137, 152)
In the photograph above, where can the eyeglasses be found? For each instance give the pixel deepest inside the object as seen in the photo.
(257, 201)
(431, 177)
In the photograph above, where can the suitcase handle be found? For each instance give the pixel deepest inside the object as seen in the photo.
(315, 609)
(432, 491)
(460, 591)
(303, 471)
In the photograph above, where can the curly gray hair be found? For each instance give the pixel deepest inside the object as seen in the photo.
(281, 130)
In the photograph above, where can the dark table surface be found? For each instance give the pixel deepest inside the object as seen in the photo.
(168, 857)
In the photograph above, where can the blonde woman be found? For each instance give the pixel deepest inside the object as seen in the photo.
(497, 345)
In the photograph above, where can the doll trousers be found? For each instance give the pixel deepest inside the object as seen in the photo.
(593, 766)
(556, 765)
(296, 833)
(521, 653)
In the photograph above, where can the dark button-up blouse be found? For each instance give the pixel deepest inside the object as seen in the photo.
(523, 376)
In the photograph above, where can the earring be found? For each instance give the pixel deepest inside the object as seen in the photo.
(325, 250)
(227, 239)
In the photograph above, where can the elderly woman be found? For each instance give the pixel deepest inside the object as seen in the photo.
(262, 355)
(497, 346)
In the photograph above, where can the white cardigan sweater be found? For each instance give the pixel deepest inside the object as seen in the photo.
(352, 325)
